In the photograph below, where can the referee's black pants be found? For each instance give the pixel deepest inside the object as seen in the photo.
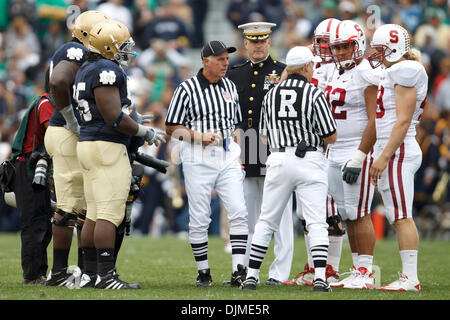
(36, 231)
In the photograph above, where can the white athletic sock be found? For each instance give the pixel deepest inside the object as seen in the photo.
(355, 260)
(365, 261)
(308, 252)
(334, 252)
(409, 263)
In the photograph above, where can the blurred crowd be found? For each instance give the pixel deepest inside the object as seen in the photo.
(168, 32)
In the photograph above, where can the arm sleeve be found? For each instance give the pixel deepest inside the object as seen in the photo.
(325, 123)
(178, 106)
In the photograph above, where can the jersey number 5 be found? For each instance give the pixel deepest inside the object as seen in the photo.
(83, 105)
(341, 115)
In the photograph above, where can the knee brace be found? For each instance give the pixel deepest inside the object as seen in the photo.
(81, 216)
(68, 220)
(335, 227)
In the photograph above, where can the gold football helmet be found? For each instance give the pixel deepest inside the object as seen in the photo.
(112, 40)
(84, 23)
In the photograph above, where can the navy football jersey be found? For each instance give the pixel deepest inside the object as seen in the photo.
(72, 52)
(91, 75)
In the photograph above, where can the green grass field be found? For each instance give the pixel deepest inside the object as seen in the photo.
(166, 270)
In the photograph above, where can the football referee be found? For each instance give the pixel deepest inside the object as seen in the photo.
(203, 113)
(298, 122)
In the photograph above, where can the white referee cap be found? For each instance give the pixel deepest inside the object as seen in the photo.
(256, 31)
(299, 55)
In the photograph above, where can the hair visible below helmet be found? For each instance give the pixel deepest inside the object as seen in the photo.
(390, 42)
(84, 23)
(322, 31)
(346, 32)
(112, 40)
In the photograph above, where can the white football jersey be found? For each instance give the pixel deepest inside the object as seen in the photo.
(345, 92)
(322, 73)
(406, 73)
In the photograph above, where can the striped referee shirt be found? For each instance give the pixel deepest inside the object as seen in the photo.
(203, 106)
(293, 111)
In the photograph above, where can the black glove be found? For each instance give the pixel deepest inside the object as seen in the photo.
(350, 175)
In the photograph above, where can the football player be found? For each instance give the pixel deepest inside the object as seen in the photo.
(100, 89)
(352, 95)
(61, 141)
(402, 94)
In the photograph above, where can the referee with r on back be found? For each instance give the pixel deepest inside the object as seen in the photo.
(203, 113)
(299, 124)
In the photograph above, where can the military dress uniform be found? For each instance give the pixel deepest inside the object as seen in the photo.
(253, 81)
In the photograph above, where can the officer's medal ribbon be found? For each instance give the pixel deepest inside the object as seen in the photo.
(271, 79)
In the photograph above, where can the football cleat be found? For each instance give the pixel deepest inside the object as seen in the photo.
(249, 284)
(204, 278)
(352, 275)
(111, 281)
(363, 280)
(58, 279)
(304, 278)
(331, 275)
(402, 284)
(88, 280)
(238, 276)
(321, 286)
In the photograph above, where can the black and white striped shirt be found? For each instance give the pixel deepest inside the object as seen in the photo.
(293, 111)
(205, 107)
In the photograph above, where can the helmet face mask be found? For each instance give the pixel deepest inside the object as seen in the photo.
(347, 34)
(377, 54)
(391, 42)
(347, 59)
(321, 48)
(125, 54)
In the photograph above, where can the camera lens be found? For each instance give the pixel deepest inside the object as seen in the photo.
(40, 174)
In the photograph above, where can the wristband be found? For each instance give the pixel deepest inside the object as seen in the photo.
(142, 131)
(116, 123)
(358, 159)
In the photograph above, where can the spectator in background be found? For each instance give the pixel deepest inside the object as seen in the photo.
(117, 11)
(143, 15)
(434, 27)
(53, 39)
(199, 10)
(409, 14)
(347, 10)
(240, 11)
(167, 26)
(21, 44)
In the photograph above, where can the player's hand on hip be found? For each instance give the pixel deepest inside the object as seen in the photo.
(352, 168)
(377, 169)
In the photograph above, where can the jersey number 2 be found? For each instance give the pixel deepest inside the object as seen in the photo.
(341, 115)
